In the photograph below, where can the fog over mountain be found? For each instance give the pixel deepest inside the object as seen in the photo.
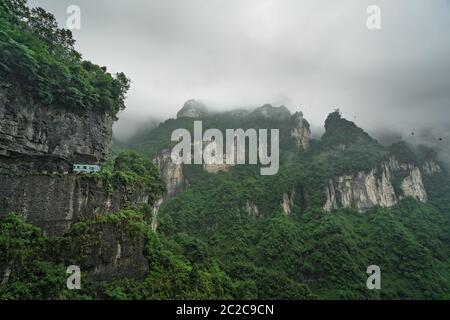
(309, 55)
(347, 200)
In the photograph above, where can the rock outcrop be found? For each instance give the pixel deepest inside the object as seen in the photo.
(55, 202)
(430, 167)
(252, 209)
(301, 132)
(173, 177)
(155, 210)
(171, 173)
(341, 134)
(382, 186)
(192, 109)
(288, 202)
(38, 139)
(109, 251)
(209, 163)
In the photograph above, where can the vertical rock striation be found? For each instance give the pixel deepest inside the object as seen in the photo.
(36, 139)
(301, 132)
(382, 186)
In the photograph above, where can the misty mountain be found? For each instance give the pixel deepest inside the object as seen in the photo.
(127, 220)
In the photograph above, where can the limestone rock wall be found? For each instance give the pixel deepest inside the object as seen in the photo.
(301, 132)
(288, 202)
(55, 202)
(110, 251)
(382, 186)
(171, 173)
(36, 138)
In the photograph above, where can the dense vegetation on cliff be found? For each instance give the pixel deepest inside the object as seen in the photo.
(308, 253)
(38, 60)
(209, 246)
(133, 170)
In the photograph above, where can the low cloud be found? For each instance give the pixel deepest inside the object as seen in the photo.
(310, 55)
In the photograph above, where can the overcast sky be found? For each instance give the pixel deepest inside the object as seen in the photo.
(313, 55)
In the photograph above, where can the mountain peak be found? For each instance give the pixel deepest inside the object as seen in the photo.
(268, 111)
(335, 121)
(342, 132)
(192, 109)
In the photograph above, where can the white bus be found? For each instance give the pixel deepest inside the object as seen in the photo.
(86, 168)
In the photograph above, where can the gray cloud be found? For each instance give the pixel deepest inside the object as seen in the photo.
(313, 55)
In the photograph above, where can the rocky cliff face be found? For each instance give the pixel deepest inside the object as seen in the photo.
(209, 164)
(430, 167)
(110, 251)
(173, 177)
(55, 202)
(383, 186)
(36, 138)
(301, 132)
(171, 173)
(155, 210)
(38, 145)
(252, 209)
(192, 109)
(288, 202)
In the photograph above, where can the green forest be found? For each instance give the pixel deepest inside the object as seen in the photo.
(207, 246)
(39, 62)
